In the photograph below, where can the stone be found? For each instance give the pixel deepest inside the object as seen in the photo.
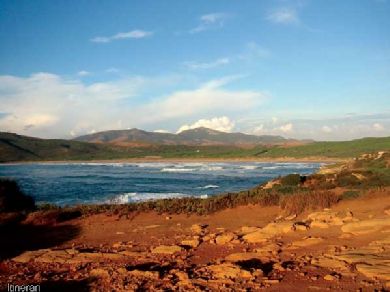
(271, 281)
(268, 232)
(257, 237)
(319, 224)
(99, 273)
(330, 262)
(329, 277)
(291, 217)
(247, 229)
(246, 256)
(167, 249)
(379, 271)
(191, 242)
(228, 271)
(225, 238)
(366, 226)
(144, 274)
(309, 241)
(197, 228)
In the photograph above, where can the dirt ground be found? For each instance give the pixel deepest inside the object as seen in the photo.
(248, 248)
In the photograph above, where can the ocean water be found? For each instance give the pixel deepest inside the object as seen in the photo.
(90, 183)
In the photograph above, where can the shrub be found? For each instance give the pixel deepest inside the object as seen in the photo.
(350, 194)
(291, 180)
(300, 202)
(12, 199)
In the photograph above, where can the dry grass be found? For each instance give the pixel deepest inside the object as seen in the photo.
(300, 202)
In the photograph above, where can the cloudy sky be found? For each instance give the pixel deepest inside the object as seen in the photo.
(303, 69)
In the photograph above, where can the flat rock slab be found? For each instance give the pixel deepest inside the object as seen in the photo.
(366, 226)
(247, 256)
(228, 271)
(167, 249)
(70, 256)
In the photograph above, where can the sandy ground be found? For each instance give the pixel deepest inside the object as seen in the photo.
(247, 248)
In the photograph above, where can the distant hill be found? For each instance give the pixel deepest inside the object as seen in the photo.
(15, 147)
(198, 136)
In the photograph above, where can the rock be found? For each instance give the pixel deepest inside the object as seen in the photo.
(228, 271)
(256, 237)
(291, 217)
(366, 226)
(99, 273)
(29, 255)
(191, 242)
(309, 241)
(144, 274)
(247, 229)
(324, 219)
(225, 238)
(269, 249)
(278, 228)
(246, 256)
(330, 262)
(387, 212)
(117, 245)
(269, 231)
(379, 271)
(319, 224)
(271, 281)
(329, 277)
(198, 228)
(167, 249)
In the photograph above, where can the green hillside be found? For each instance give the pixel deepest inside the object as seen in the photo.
(21, 148)
(343, 149)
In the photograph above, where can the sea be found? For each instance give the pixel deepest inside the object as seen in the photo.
(67, 184)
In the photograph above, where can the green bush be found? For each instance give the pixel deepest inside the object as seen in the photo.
(291, 180)
(350, 194)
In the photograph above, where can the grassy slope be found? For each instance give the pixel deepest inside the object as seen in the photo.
(342, 149)
(21, 148)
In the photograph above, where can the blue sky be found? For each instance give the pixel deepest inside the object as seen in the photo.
(304, 69)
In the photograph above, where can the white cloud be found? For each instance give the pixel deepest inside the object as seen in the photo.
(258, 129)
(286, 128)
(284, 16)
(223, 124)
(209, 65)
(134, 34)
(378, 127)
(48, 105)
(326, 129)
(252, 51)
(274, 120)
(161, 131)
(210, 21)
(83, 73)
(209, 98)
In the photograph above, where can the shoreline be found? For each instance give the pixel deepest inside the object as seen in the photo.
(184, 160)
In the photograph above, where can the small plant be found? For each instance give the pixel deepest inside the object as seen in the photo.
(350, 194)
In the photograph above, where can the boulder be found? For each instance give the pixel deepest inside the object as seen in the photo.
(228, 271)
(167, 249)
(366, 226)
(225, 238)
(191, 242)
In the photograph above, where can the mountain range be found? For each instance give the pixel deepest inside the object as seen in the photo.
(198, 136)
